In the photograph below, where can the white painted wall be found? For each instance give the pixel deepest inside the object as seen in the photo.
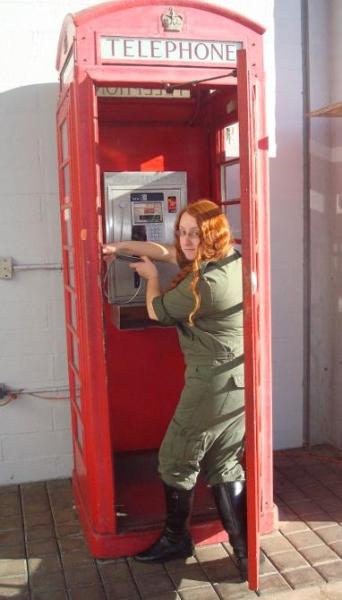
(35, 441)
(286, 199)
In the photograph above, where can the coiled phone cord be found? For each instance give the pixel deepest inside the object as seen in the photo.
(106, 279)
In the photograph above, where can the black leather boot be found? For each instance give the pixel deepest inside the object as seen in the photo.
(230, 499)
(175, 540)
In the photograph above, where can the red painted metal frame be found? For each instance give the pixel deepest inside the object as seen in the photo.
(94, 481)
(255, 243)
(251, 308)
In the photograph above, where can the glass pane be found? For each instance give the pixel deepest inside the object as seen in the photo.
(231, 182)
(233, 214)
(75, 353)
(77, 392)
(64, 141)
(231, 139)
(79, 432)
(73, 311)
(70, 268)
(67, 226)
(66, 183)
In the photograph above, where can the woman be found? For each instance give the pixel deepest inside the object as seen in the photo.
(207, 430)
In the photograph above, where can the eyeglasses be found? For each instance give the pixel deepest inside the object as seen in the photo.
(193, 234)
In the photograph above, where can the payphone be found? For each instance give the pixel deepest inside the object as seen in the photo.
(141, 206)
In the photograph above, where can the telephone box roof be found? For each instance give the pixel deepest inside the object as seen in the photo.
(86, 16)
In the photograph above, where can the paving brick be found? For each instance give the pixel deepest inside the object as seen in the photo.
(66, 515)
(82, 574)
(113, 572)
(319, 521)
(117, 579)
(293, 496)
(288, 560)
(40, 533)
(53, 595)
(301, 578)
(36, 507)
(10, 567)
(273, 583)
(47, 581)
(153, 584)
(285, 513)
(221, 570)
(190, 576)
(166, 596)
(58, 484)
(139, 568)
(10, 505)
(203, 593)
(72, 542)
(332, 591)
(337, 547)
(211, 552)
(9, 489)
(181, 563)
(330, 571)
(304, 539)
(318, 554)
(12, 552)
(9, 522)
(39, 518)
(331, 534)
(330, 502)
(275, 542)
(122, 590)
(267, 567)
(14, 587)
(64, 529)
(309, 510)
(336, 514)
(47, 564)
(229, 590)
(42, 548)
(89, 592)
(292, 526)
(11, 538)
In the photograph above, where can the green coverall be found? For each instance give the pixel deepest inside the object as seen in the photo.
(208, 427)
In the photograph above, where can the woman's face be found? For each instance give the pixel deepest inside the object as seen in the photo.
(189, 236)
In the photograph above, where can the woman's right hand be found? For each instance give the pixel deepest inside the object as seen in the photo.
(108, 252)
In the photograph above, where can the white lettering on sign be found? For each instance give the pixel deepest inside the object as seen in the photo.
(168, 50)
(119, 92)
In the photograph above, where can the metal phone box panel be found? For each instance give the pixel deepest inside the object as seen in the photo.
(141, 206)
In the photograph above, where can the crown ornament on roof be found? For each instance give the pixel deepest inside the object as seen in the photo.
(172, 21)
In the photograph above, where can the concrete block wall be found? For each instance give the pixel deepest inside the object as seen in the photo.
(35, 438)
(336, 209)
(325, 224)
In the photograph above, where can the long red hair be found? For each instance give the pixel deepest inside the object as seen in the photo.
(215, 243)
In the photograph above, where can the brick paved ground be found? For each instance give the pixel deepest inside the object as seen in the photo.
(43, 555)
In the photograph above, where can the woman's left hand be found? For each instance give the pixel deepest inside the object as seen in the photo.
(145, 268)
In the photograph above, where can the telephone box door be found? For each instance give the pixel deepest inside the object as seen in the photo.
(250, 244)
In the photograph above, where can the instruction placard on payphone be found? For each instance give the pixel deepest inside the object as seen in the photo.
(141, 206)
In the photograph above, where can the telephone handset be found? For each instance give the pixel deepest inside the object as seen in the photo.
(138, 234)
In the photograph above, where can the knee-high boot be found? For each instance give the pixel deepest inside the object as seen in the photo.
(230, 499)
(175, 540)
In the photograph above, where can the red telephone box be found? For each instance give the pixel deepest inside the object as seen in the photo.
(148, 90)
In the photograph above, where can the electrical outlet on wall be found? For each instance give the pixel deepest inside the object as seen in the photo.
(6, 269)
